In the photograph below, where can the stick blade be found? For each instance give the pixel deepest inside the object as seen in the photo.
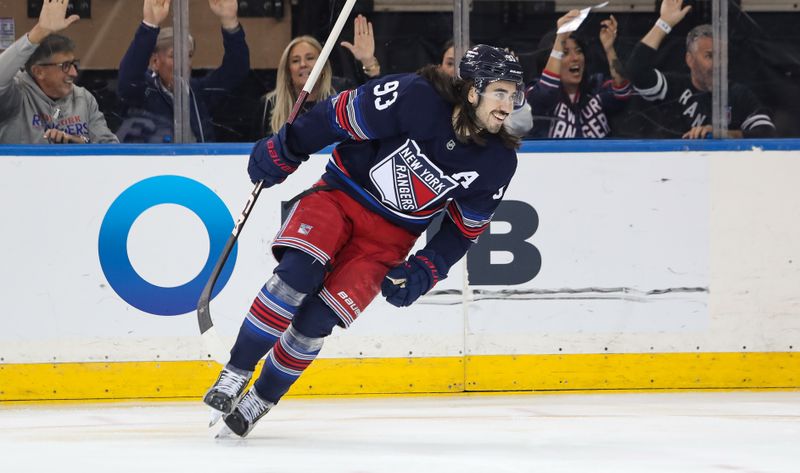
(215, 347)
(204, 313)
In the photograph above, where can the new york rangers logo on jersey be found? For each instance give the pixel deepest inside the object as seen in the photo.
(408, 180)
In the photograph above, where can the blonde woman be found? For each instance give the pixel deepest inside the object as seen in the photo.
(295, 66)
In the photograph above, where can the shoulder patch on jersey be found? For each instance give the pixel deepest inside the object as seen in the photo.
(408, 180)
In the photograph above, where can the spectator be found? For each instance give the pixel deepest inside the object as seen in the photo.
(42, 104)
(294, 68)
(148, 92)
(363, 47)
(686, 100)
(448, 65)
(568, 102)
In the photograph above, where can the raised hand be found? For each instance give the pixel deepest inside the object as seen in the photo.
(608, 32)
(673, 11)
(570, 15)
(51, 18)
(155, 11)
(227, 11)
(363, 45)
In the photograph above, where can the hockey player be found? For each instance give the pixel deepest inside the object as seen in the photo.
(685, 101)
(411, 146)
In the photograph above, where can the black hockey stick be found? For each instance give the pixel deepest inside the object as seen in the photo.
(213, 343)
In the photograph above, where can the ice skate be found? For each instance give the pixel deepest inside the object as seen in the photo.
(226, 391)
(245, 414)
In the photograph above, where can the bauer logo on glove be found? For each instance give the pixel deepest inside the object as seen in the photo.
(271, 160)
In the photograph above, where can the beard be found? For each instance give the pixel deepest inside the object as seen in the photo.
(492, 124)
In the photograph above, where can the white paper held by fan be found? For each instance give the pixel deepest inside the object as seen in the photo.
(576, 22)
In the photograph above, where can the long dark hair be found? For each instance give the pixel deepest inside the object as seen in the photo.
(455, 91)
(546, 45)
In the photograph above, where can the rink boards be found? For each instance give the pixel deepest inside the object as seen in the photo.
(608, 266)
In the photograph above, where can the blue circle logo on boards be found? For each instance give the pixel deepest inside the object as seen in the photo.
(116, 226)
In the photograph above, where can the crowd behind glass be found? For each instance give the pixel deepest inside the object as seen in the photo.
(653, 81)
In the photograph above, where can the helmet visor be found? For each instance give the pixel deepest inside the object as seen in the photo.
(515, 98)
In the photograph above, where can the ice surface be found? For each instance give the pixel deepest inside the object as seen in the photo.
(755, 432)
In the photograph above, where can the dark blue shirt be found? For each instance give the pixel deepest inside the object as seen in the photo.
(150, 106)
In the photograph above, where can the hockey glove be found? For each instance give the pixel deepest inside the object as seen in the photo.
(405, 283)
(271, 160)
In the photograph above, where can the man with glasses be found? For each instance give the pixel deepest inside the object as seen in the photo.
(42, 104)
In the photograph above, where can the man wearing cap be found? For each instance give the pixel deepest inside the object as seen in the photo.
(41, 103)
(146, 75)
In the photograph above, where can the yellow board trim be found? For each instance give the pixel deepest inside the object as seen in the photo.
(634, 371)
(190, 379)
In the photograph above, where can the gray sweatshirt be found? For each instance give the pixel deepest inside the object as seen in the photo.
(26, 112)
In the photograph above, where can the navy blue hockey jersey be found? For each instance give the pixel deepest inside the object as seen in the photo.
(399, 157)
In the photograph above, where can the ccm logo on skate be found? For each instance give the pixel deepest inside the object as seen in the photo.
(116, 227)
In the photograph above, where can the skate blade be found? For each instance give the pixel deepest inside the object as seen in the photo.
(224, 433)
(215, 417)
